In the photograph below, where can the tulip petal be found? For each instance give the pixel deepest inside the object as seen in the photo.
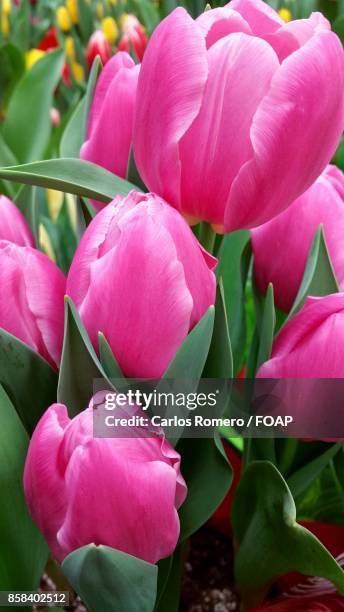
(43, 479)
(45, 291)
(13, 225)
(151, 504)
(111, 123)
(293, 35)
(33, 309)
(293, 134)
(281, 246)
(130, 287)
(201, 284)
(240, 72)
(109, 72)
(170, 90)
(302, 347)
(220, 22)
(258, 14)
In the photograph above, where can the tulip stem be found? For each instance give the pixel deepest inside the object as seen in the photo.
(207, 237)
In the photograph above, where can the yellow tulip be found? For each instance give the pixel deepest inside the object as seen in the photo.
(77, 71)
(55, 201)
(285, 14)
(5, 25)
(99, 10)
(32, 56)
(63, 19)
(110, 29)
(45, 242)
(70, 48)
(6, 7)
(73, 9)
(72, 208)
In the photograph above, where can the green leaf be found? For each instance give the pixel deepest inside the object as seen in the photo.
(319, 278)
(27, 378)
(91, 85)
(7, 159)
(12, 67)
(71, 176)
(27, 126)
(108, 579)
(338, 27)
(300, 480)
(208, 476)
(169, 600)
(75, 131)
(270, 542)
(23, 552)
(191, 357)
(323, 501)
(107, 359)
(26, 200)
(74, 134)
(219, 361)
(79, 364)
(234, 259)
(266, 326)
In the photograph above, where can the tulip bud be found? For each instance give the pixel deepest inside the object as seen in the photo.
(134, 36)
(49, 41)
(31, 301)
(281, 246)
(238, 89)
(119, 492)
(285, 14)
(13, 225)
(77, 72)
(70, 48)
(73, 10)
(55, 117)
(139, 246)
(32, 56)
(63, 19)
(310, 346)
(110, 123)
(110, 29)
(97, 45)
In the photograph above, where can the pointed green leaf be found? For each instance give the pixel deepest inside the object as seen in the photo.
(234, 259)
(319, 278)
(299, 481)
(27, 126)
(107, 359)
(27, 378)
(71, 176)
(219, 361)
(23, 552)
(108, 579)
(191, 357)
(208, 476)
(270, 542)
(79, 364)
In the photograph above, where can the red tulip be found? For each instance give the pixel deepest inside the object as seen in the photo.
(134, 36)
(98, 45)
(49, 41)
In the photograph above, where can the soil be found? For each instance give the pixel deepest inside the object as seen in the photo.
(207, 584)
(208, 576)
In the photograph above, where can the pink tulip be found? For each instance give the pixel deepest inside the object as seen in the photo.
(98, 45)
(310, 346)
(13, 225)
(140, 277)
(281, 246)
(110, 124)
(134, 36)
(120, 492)
(31, 300)
(239, 112)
